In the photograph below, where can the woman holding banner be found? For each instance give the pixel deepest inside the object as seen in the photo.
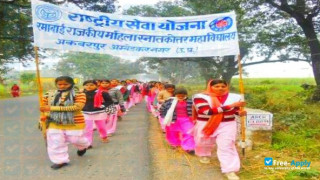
(214, 112)
(65, 121)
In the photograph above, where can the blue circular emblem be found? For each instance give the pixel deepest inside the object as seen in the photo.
(221, 24)
(48, 13)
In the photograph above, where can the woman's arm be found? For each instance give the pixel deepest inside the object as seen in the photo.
(119, 97)
(107, 99)
(80, 101)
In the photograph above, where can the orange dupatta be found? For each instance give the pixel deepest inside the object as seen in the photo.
(215, 120)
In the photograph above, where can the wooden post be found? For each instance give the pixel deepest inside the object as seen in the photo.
(243, 118)
(40, 90)
(42, 122)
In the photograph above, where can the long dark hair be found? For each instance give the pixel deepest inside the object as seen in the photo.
(105, 80)
(90, 81)
(181, 90)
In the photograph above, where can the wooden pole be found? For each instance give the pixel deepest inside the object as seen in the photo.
(42, 122)
(242, 118)
(40, 91)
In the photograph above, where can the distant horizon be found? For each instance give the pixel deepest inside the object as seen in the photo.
(266, 70)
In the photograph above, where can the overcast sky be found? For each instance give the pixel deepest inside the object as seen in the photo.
(292, 69)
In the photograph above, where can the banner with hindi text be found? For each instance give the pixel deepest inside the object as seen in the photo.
(85, 31)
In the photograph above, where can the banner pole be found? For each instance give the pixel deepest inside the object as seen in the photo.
(40, 91)
(42, 122)
(242, 118)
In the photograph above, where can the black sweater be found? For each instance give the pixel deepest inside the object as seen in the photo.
(89, 106)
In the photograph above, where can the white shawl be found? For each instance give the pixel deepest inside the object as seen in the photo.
(168, 118)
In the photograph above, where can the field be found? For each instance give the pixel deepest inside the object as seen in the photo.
(30, 88)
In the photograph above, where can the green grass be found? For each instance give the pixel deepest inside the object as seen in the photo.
(274, 81)
(25, 89)
(303, 174)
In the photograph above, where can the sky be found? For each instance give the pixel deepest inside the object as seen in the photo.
(292, 69)
(125, 4)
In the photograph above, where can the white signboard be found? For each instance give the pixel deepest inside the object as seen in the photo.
(256, 121)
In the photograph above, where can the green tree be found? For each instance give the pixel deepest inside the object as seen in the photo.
(290, 29)
(4, 69)
(27, 77)
(106, 6)
(177, 70)
(15, 32)
(96, 66)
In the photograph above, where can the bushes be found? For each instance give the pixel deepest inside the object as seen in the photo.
(4, 91)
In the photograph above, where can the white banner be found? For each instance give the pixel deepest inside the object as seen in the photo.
(77, 30)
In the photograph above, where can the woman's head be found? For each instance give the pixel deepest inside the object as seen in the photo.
(128, 81)
(64, 82)
(105, 83)
(114, 82)
(90, 85)
(123, 83)
(98, 81)
(218, 87)
(170, 88)
(161, 86)
(157, 84)
(181, 93)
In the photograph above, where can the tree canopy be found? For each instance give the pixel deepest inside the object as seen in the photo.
(96, 66)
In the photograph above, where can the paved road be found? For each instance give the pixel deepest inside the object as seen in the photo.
(23, 153)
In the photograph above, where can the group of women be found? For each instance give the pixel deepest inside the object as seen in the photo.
(195, 123)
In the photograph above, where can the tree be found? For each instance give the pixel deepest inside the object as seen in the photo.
(306, 13)
(106, 6)
(291, 28)
(27, 77)
(96, 66)
(177, 70)
(15, 32)
(3, 71)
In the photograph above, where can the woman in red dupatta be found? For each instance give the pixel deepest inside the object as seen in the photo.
(214, 112)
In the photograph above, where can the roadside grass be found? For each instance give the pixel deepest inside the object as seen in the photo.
(27, 89)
